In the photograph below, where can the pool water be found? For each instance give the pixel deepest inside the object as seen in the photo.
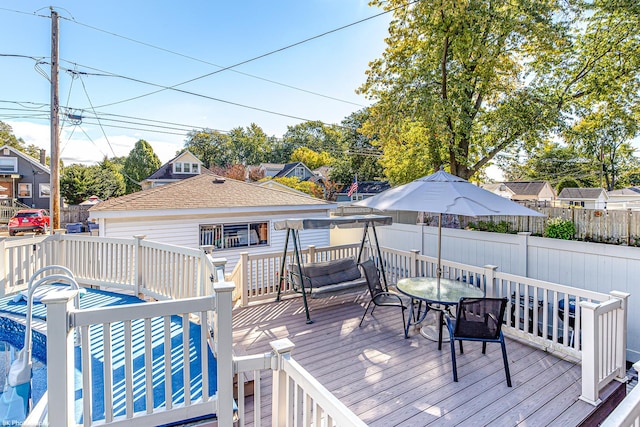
(8, 354)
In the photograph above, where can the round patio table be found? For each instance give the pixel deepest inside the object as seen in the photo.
(435, 296)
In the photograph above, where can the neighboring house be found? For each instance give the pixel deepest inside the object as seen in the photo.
(536, 191)
(499, 188)
(365, 189)
(295, 170)
(322, 172)
(590, 198)
(24, 178)
(220, 215)
(183, 166)
(271, 169)
(627, 198)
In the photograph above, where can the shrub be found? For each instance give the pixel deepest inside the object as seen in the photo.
(558, 228)
(499, 227)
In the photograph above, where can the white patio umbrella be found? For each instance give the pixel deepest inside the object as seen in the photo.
(443, 193)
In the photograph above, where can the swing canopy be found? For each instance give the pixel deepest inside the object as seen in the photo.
(353, 221)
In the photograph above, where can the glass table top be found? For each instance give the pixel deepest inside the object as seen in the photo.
(447, 292)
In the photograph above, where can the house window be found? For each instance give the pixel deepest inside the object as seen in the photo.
(8, 165)
(356, 197)
(299, 172)
(45, 191)
(24, 190)
(184, 167)
(228, 236)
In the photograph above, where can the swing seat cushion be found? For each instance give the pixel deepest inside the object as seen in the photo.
(325, 277)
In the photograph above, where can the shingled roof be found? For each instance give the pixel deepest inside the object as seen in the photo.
(206, 191)
(525, 188)
(581, 193)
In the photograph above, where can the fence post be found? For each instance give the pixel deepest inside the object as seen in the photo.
(138, 264)
(524, 253)
(244, 279)
(312, 253)
(60, 358)
(223, 337)
(590, 354)
(490, 280)
(621, 334)
(281, 349)
(59, 258)
(413, 262)
(3, 262)
(629, 226)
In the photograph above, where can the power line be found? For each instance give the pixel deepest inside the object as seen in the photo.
(186, 92)
(222, 68)
(255, 58)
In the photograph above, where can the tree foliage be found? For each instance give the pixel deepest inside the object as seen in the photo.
(312, 159)
(554, 163)
(210, 146)
(79, 182)
(308, 187)
(140, 163)
(460, 82)
(362, 156)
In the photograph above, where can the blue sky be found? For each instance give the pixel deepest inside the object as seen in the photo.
(162, 43)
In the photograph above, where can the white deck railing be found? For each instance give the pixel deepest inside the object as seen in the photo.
(536, 313)
(589, 326)
(142, 267)
(62, 318)
(160, 272)
(297, 397)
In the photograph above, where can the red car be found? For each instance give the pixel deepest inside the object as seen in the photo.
(26, 220)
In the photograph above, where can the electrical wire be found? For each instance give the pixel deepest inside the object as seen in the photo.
(94, 112)
(255, 58)
(212, 64)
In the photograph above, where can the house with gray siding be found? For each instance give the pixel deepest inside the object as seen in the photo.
(24, 178)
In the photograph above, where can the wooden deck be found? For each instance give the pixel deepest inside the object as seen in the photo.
(389, 380)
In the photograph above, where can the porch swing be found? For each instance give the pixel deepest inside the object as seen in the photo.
(328, 277)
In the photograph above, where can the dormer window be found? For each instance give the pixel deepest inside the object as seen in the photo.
(186, 167)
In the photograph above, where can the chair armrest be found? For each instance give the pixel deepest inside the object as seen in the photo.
(305, 280)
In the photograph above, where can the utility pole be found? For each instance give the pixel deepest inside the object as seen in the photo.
(54, 201)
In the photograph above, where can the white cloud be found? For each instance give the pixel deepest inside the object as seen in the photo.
(76, 147)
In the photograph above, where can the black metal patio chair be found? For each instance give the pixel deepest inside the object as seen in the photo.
(478, 319)
(380, 296)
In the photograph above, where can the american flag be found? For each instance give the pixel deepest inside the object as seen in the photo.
(353, 188)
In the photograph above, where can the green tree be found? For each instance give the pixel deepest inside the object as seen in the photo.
(74, 184)
(308, 187)
(79, 182)
(312, 159)
(554, 163)
(107, 180)
(362, 156)
(603, 135)
(459, 82)
(210, 146)
(315, 136)
(249, 146)
(141, 162)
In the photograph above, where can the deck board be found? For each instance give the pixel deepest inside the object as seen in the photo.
(388, 380)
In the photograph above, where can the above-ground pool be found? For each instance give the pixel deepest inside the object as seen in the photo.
(12, 334)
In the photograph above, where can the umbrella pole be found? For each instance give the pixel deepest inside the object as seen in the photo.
(439, 271)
